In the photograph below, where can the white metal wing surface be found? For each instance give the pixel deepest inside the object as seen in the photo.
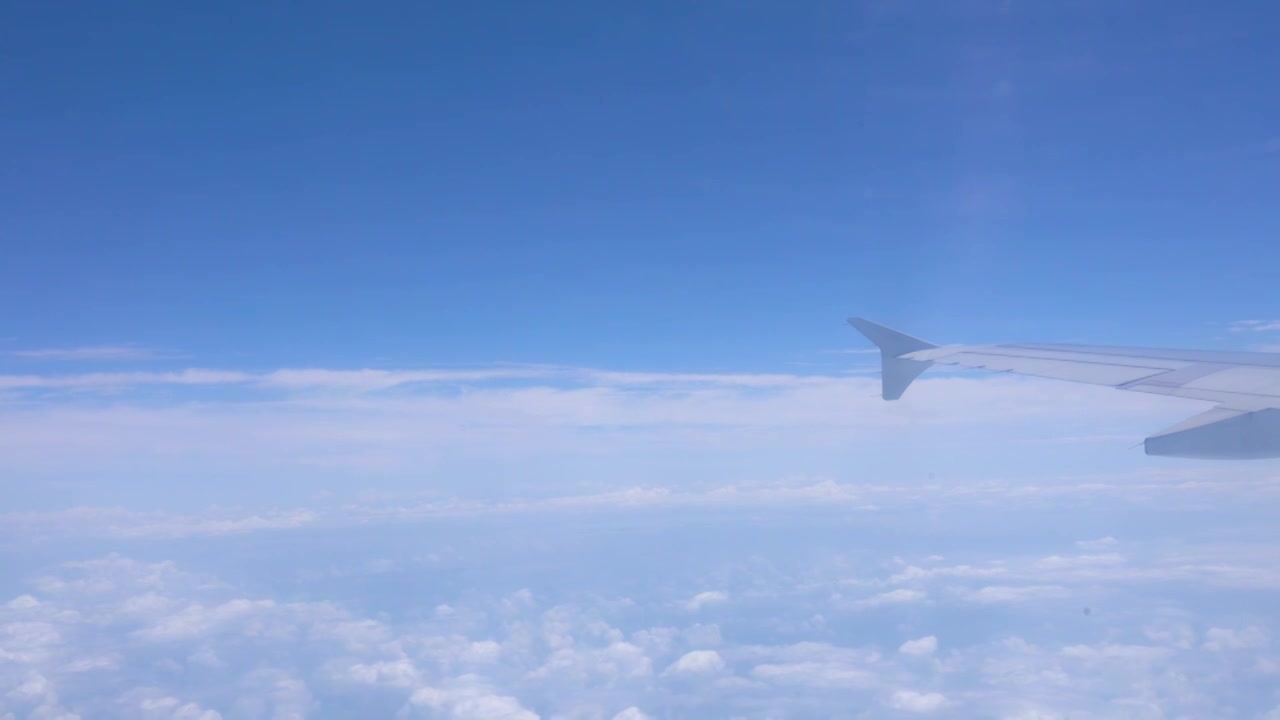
(1245, 424)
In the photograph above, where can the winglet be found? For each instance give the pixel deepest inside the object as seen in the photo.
(896, 372)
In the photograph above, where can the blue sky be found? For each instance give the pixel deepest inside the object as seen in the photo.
(663, 187)
(487, 360)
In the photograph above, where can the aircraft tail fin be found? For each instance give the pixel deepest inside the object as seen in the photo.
(896, 372)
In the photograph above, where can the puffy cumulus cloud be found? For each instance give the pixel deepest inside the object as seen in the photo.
(145, 615)
(814, 674)
(923, 646)
(1059, 564)
(900, 596)
(153, 704)
(401, 673)
(1026, 679)
(698, 662)
(916, 702)
(704, 599)
(1110, 652)
(534, 616)
(1012, 594)
(1251, 637)
(29, 641)
(249, 617)
(617, 661)
(632, 713)
(1098, 544)
(469, 698)
(273, 693)
(1020, 579)
(23, 602)
(566, 649)
(33, 693)
(914, 575)
(702, 635)
(818, 666)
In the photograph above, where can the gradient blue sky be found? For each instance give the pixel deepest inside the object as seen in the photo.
(668, 186)
(486, 361)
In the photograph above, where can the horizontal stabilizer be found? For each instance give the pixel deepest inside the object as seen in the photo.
(896, 372)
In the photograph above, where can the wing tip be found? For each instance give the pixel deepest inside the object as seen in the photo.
(896, 372)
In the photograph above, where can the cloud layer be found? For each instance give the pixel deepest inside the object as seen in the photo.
(262, 437)
(113, 636)
(531, 542)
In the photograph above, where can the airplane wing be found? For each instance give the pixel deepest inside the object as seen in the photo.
(1245, 424)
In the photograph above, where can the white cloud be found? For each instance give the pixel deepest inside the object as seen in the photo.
(924, 646)
(793, 492)
(1219, 639)
(196, 620)
(90, 664)
(151, 704)
(370, 380)
(192, 376)
(1058, 564)
(912, 701)
(395, 423)
(1178, 634)
(913, 574)
(703, 599)
(993, 594)
(698, 662)
(401, 673)
(23, 602)
(632, 713)
(119, 523)
(1255, 326)
(30, 641)
(278, 694)
(95, 352)
(470, 699)
(1099, 544)
(206, 657)
(702, 635)
(900, 596)
(481, 652)
(1114, 652)
(619, 661)
(555, 649)
(814, 674)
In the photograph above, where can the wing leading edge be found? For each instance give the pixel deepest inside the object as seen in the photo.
(1246, 386)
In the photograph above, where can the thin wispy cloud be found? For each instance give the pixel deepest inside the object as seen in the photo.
(256, 433)
(854, 499)
(92, 352)
(852, 351)
(1255, 326)
(191, 376)
(367, 380)
(403, 422)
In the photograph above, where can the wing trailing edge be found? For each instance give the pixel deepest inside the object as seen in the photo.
(1220, 434)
